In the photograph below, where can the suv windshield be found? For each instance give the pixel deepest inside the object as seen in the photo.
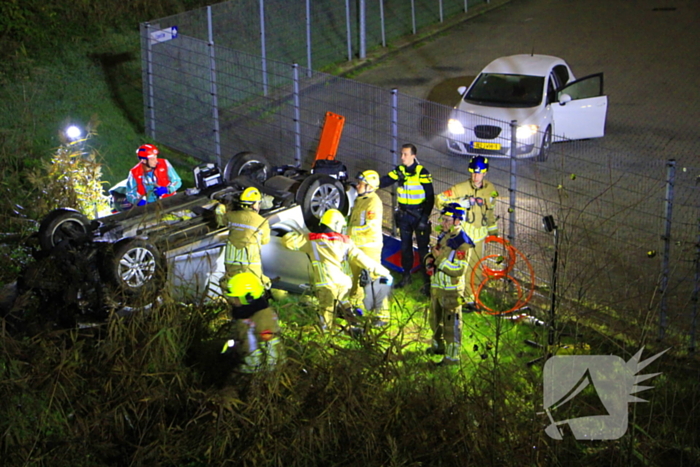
(500, 90)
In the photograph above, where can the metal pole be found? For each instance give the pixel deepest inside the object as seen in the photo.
(696, 294)
(363, 30)
(413, 15)
(513, 181)
(552, 306)
(394, 147)
(297, 118)
(440, 8)
(466, 5)
(668, 213)
(308, 38)
(151, 110)
(213, 90)
(381, 18)
(263, 47)
(347, 28)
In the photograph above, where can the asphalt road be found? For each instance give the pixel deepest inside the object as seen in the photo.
(649, 51)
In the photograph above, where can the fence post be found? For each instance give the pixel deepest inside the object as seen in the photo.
(297, 118)
(394, 148)
(696, 294)
(381, 20)
(513, 181)
(151, 110)
(668, 214)
(213, 90)
(347, 27)
(308, 38)
(263, 47)
(363, 30)
(413, 15)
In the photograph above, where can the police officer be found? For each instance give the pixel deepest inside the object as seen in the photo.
(328, 250)
(415, 202)
(365, 230)
(152, 178)
(255, 324)
(478, 196)
(248, 232)
(446, 265)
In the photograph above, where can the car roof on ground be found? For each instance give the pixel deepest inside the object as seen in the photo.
(524, 64)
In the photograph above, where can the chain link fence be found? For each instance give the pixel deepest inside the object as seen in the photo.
(628, 236)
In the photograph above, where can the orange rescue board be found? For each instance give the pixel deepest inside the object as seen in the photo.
(330, 136)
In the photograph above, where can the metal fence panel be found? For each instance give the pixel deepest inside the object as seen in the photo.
(609, 210)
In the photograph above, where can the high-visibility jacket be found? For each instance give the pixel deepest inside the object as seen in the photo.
(415, 190)
(163, 174)
(365, 223)
(248, 232)
(451, 261)
(410, 191)
(480, 219)
(327, 252)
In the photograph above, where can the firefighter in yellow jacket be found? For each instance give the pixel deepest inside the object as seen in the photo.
(365, 231)
(255, 324)
(478, 196)
(446, 264)
(328, 250)
(248, 232)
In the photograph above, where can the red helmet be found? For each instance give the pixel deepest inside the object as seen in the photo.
(146, 151)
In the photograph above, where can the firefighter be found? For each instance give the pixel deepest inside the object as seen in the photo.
(152, 178)
(365, 230)
(248, 232)
(446, 264)
(328, 250)
(255, 324)
(415, 202)
(478, 196)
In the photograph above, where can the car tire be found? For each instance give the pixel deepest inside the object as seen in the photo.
(248, 164)
(135, 270)
(62, 225)
(544, 147)
(317, 194)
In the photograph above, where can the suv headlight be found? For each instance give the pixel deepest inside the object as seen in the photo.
(526, 131)
(455, 127)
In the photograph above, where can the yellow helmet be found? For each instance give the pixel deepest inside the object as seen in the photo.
(246, 286)
(334, 220)
(370, 177)
(250, 195)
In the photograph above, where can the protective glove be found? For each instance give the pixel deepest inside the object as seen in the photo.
(160, 191)
(381, 271)
(423, 224)
(388, 280)
(141, 203)
(429, 264)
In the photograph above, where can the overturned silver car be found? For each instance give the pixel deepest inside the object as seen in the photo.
(174, 246)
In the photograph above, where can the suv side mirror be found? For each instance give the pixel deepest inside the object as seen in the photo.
(564, 98)
(461, 90)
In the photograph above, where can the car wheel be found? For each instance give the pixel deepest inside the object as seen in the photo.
(62, 225)
(317, 194)
(544, 147)
(135, 270)
(249, 164)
